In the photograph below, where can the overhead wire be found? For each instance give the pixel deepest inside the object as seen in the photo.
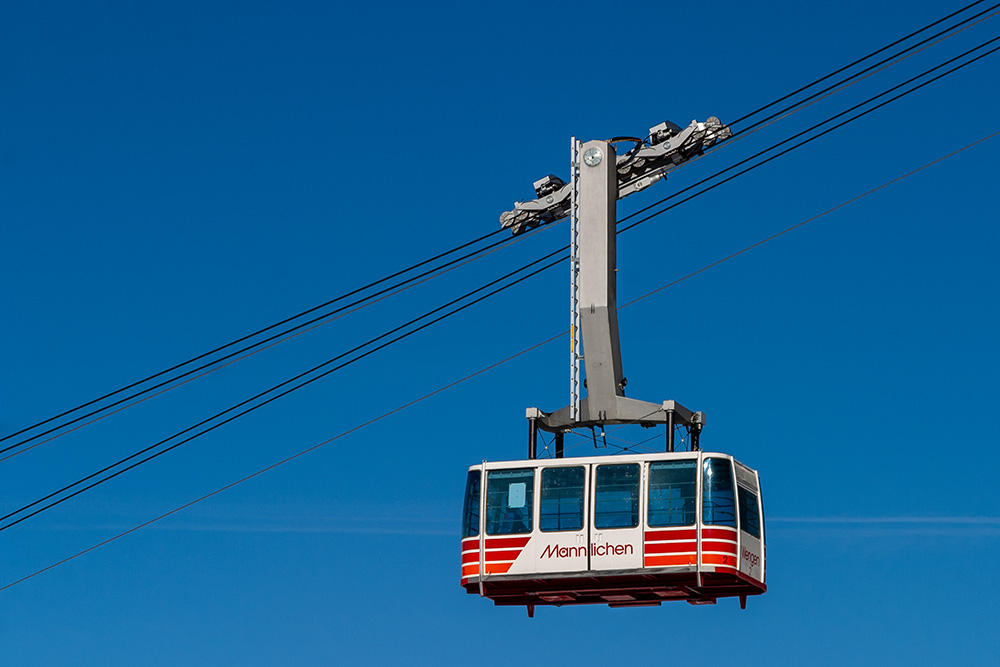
(259, 346)
(473, 375)
(812, 138)
(857, 77)
(861, 60)
(436, 257)
(283, 461)
(841, 85)
(270, 327)
(271, 390)
(537, 261)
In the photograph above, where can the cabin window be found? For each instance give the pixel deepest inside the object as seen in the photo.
(749, 513)
(561, 504)
(719, 501)
(470, 513)
(617, 496)
(509, 498)
(672, 493)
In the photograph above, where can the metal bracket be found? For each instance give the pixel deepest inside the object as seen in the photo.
(669, 146)
(599, 178)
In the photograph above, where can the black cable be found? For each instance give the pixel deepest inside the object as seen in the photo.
(251, 335)
(560, 250)
(806, 141)
(856, 62)
(862, 72)
(276, 387)
(434, 393)
(252, 346)
(481, 298)
(439, 256)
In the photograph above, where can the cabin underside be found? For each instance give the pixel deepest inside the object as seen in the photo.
(616, 590)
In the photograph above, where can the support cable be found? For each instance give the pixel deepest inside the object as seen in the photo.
(494, 282)
(247, 337)
(854, 79)
(812, 138)
(861, 60)
(483, 370)
(249, 350)
(273, 389)
(448, 252)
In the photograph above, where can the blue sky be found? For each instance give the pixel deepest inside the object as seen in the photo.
(173, 177)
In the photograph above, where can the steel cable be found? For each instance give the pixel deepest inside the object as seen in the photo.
(299, 327)
(461, 298)
(465, 378)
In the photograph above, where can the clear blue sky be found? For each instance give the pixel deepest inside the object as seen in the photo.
(174, 176)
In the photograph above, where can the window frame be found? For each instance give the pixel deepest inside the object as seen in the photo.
(470, 529)
(741, 491)
(583, 498)
(527, 517)
(637, 498)
(696, 487)
(709, 461)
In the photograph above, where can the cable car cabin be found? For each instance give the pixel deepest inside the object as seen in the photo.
(629, 530)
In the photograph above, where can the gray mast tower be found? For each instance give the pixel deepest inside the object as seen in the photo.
(599, 178)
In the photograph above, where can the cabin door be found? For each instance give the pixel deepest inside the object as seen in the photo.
(561, 543)
(616, 508)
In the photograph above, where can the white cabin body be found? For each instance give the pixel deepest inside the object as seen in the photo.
(626, 530)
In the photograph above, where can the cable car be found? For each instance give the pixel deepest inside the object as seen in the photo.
(626, 530)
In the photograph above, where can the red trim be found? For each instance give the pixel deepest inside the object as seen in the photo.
(719, 560)
(494, 556)
(672, 534)
(724, 533)
(672, 547)
(506, 542)
(670, 559)
(711, 545)
(470, 557)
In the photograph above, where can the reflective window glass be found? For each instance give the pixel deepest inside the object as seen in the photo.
(719, 500)
(617, 496)
(509, 498)
(561, 503)
(672, 493)
(470, 513)
(749, 514)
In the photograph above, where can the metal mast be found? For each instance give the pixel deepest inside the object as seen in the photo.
(599, 177)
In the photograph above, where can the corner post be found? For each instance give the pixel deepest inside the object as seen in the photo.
(532, 437)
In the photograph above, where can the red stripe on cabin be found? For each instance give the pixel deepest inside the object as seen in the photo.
(677, 534)
(672, 547)
(468, 570)
(718, 559)
(670, 559)
(719, 533)
(470, 557)
(506, 542)
(711, 545)
(493, 556)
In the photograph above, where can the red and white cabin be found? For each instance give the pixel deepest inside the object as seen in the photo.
(629, 530)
